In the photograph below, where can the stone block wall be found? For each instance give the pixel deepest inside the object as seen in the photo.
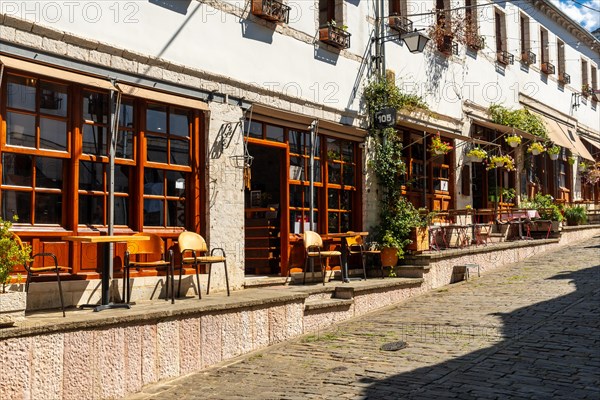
(440, 270)
(113, 361)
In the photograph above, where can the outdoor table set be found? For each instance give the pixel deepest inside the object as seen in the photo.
(460, 228)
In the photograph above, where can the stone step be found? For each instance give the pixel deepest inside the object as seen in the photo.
(411, 271)
(323, 304)
(263, 281)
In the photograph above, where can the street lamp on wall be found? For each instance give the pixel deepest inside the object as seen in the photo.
(415, 41)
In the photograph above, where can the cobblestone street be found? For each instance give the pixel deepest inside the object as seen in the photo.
(530, 330)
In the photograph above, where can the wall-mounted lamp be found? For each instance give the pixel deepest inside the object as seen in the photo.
(415, 41)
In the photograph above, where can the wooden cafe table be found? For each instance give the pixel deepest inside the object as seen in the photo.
(104, 241)
(343, 236)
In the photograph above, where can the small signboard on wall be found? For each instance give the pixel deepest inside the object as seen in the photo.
(385, 117)
(300, 220)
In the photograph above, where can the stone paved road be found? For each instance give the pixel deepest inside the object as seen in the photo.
(528, 331)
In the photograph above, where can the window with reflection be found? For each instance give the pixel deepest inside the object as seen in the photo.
(32, 188)
(341, 184)
(36, 114)
(93, 165)
(300, 157)
(168, 132)
(53, 160)
(164, 197)
(299, 175)
(265, 131)
(36, 147)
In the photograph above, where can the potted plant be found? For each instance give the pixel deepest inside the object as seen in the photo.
(508, 194)
(572, 160)
(505, 161)
(536, 148)
(582, 167)
(391, 249)
(477, 154)
(12, 253)
(513, 140)
(549, 213)
(337, 36)
(394, 231)
(576, 215)
(586, 90)
(438, 147)
(553, 152)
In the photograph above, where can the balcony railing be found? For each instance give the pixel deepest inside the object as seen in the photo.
(528, 57)
(564, 78)
(504, 57)
(586, 90)
(475, 42)
(271, 10)
(548, 68)
(335, 36)
(400, 24)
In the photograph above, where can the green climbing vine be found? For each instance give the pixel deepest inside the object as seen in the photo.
(396, 214)
(522, 119)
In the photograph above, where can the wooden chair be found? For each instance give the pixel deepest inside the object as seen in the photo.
(191, 242)
(313, 245)
(33, 272)
(153, 246)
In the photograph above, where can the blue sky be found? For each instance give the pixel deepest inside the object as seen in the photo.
(587, 17)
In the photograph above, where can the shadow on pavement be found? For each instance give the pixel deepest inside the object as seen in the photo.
(548, 350)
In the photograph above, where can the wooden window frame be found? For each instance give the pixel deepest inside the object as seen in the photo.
(560, 56)
(327, 7)
(525, 35)
(341, 186)
(37, 151)
(500, 30)
(166, 167)
(397, 8)
(544, 43)
(103, 160)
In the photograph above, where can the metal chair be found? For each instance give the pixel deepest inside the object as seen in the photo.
(153, 246)
(33, 272)
(312, 246)
(355, 246)
(191, 242)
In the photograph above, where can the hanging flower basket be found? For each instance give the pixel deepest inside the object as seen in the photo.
(477, 154)
(513, 140)
(582, 167)
(554, 152)
(571, 160)
(505, 161)
(438, 147)
(536, 148)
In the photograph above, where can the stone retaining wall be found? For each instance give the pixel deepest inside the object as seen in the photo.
(441, 265)
(110, 357)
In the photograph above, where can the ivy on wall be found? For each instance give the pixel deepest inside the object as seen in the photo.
(522, 119)
(395, 215)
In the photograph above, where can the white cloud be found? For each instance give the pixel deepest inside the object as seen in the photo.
(586, 17)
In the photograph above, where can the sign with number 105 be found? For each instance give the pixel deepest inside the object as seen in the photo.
(385, 118)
